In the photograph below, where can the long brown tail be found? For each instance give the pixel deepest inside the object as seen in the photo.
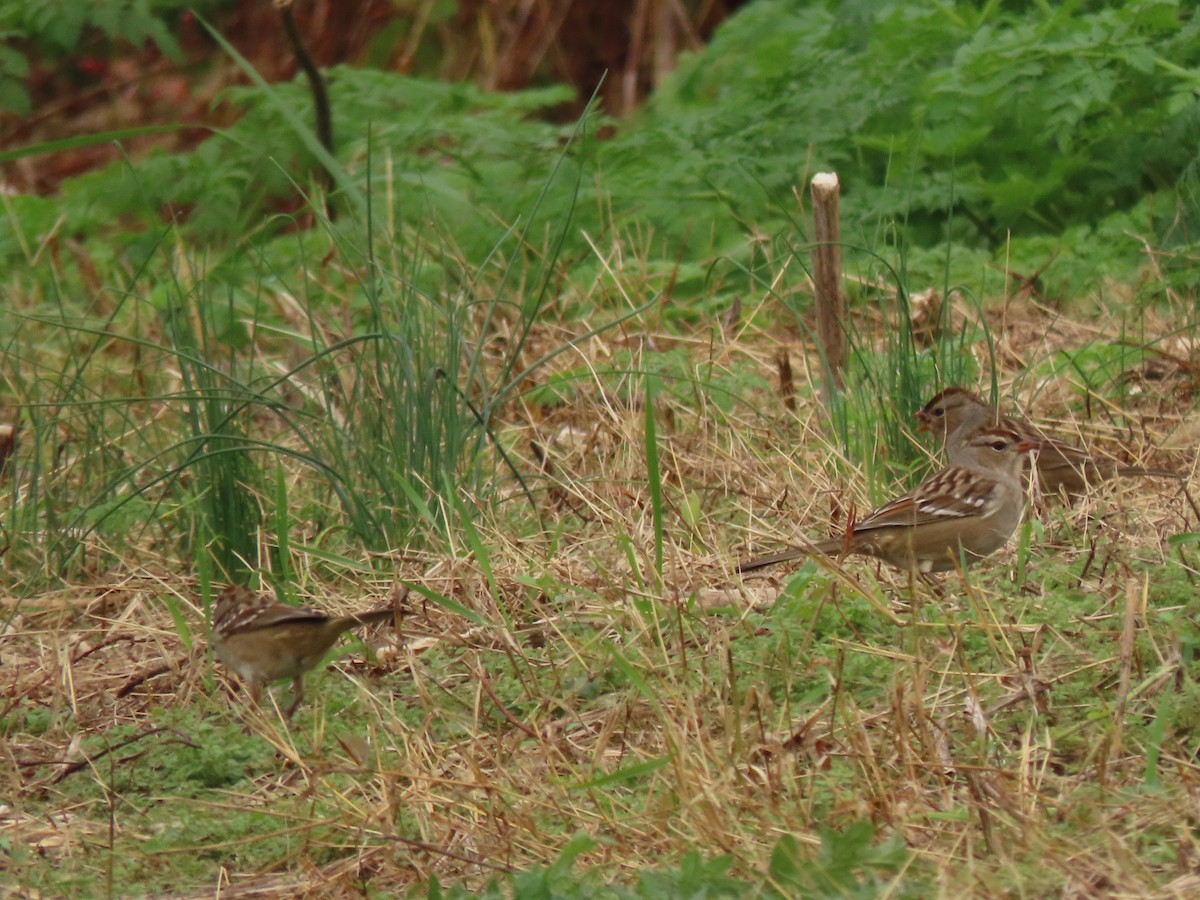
(829, 547)
(367, 618)
(1135, 472)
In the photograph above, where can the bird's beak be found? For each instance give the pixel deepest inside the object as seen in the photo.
(923, 419)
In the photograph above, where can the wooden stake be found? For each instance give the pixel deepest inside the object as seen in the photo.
(827, 276)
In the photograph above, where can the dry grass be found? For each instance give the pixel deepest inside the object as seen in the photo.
(1006, 731)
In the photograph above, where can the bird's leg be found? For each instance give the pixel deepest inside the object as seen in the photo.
(297, 696)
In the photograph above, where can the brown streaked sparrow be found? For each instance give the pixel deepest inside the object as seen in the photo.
(264, 641)
(964, 512)
(955, 413)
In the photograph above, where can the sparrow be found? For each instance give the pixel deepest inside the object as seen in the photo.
(264, 641)
(955, 413)
(960, 514)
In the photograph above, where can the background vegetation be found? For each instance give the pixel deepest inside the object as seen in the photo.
(539, 383)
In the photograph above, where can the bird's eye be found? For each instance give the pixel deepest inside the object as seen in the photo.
(939, 411)
(999, 445)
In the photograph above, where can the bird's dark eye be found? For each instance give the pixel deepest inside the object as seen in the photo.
(999, 445)
(939, 411)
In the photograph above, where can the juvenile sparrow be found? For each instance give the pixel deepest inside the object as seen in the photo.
(966, 512)
(264, 641)
(955, 413)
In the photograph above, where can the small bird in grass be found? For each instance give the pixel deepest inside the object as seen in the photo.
(955, 413)
(264, 641)
(962, 513)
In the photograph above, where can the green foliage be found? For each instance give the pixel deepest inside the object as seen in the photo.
(14, 69)
(967, 121)
(1032, 132)
(850, 863)
(215, 405)
(434, 155)
(395, 417)
(56, 29)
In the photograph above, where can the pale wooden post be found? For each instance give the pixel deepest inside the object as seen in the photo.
(827, 278)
